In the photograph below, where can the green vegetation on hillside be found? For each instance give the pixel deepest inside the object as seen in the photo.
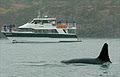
(95, 18)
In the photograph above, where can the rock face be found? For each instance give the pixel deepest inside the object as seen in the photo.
(94, 18)
(2, 36)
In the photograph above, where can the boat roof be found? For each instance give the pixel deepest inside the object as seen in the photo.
(44, 19)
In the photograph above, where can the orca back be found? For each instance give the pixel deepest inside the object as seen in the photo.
(104, 53)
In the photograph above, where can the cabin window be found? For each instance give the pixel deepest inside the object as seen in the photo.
(46, 31)
(71, 31)
(46, 21)
(49, 21)
(25, 29)
(54, 31)
(36, 21)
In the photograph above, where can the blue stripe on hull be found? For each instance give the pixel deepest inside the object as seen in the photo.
(39, 35)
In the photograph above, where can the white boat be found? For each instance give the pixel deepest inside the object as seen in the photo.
(44, 29)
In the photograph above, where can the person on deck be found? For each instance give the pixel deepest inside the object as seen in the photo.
(9, 28)
(5, 28)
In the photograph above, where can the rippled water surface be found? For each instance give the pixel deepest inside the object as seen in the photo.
(43, 59)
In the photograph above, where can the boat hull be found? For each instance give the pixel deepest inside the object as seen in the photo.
(39, 35)
(33, 37)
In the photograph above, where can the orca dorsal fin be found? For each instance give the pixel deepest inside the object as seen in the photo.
(104, 53)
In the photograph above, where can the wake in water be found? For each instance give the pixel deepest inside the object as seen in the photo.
(42, 64)
(55, 64)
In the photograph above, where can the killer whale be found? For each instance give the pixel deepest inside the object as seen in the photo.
(102, 58)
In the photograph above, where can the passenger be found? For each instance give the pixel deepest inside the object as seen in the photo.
(74, 23)
(9, 28)
(5, 28)
(13, 27)
(59, 22)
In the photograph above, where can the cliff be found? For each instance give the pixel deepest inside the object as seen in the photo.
(95, 18)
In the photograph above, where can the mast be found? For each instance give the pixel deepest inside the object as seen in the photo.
(39, 14)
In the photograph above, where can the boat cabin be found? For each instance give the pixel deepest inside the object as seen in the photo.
(47, 25)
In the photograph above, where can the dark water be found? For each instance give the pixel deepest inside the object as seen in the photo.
(43, 59)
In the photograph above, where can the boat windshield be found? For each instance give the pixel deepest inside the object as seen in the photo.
(36, 21)
(43, 21)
